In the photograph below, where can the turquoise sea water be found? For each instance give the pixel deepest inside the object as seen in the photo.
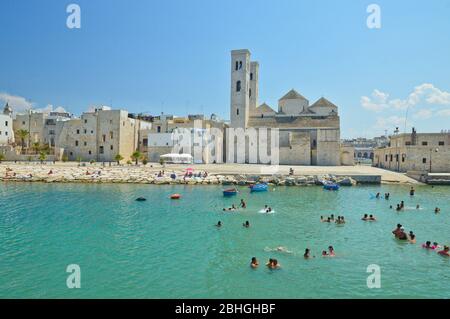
(170, 249)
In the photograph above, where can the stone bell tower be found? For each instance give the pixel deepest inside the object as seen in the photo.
(240, 88)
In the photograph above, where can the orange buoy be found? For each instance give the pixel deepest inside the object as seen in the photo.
(175, 196)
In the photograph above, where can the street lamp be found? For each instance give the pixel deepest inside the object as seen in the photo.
(431, 152)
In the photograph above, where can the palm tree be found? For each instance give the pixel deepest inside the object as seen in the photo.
(42, 157)
(118, 158)
(136, 156)
(22, 134)
(36, 147)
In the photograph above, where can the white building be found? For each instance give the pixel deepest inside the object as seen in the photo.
(6, 126)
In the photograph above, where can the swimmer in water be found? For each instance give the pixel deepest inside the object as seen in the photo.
(417, 206)
(365, 217)
(398, 208)
(270, 262)
(243, 204)
(390, 207)
(402, 204)
(402, 235)
(254, 263)
(436, 245)
(331, 252)
(397, 230)
(332, 217)
(412, 237)
(427, 245)
(412, 191)
(437, 210)
(328, 220)
(324, 253)
(445, 251)
(372, 218)
(386, 196)
(307, 254)
(279, 249)
(219, 224)
(378, 195)
(246, 224)
(340, 220)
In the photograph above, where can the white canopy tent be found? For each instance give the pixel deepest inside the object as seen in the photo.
(177, 158)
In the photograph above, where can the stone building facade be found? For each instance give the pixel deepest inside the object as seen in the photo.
(426, 152)
(307, 134)
(100, 135)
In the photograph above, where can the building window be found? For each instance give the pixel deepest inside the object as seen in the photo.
(6, 123)
(71, 153)
(104, 138)
(111, 147)
(250, 93)
(78, 131)
(85, 131)
(237, 65)
(251, 76)
(76, 143)
(407, 143)
(85, 121)
(159, 129)
(145, 142)
(386, 158)
(424, 143)
(111, 135)
(441, 143)
(85, 143)
(238, 86)
(92, 132)
(424, 160)
(90, 152)
(396, 158)
(403, 158)
(240, 65)
(6, 133)
(101, 150)
(237, 111)
(23, 122)
(392, 157)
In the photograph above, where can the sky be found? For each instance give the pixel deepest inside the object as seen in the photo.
(173, 56)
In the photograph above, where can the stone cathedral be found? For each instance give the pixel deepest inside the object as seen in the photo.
(308, 134)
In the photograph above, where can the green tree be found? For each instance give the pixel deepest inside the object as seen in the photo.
(36, 147)
(42, 157)
(118, 158)
(136, 156)
(22, 134)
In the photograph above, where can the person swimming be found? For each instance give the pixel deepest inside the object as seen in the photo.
(397, 230)
(387, 195)
(427, 245)
(273, 264)
(402, 204)
(307, 253)
(412, 191)
(324, 253)
(412, 237)
(372, 218)
(246, 224)
(332, 217)
(365, 217)
(254, 263)
(437, 210)
(417, 206)
(398, 208)
(445, 251)
(280, 249)
(219, 224)
(243, 204)
(340, 220)
(378, 195)
(331, 252)
(402, 235)
(436, 245)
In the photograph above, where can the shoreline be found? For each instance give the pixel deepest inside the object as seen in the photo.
(217, 174)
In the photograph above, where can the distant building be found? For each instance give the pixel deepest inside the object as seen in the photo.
(6, 126)
(308, 134)
(364, 148)
(426, 152)
(101, 135)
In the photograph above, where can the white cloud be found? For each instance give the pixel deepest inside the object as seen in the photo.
(390, 122)
(49, 108)
(18, 103)
(423, 114)
(444, 112)
(425, 93)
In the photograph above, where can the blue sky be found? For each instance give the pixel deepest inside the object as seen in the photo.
(173, 56)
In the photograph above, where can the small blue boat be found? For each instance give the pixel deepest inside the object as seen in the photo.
(258, 187)
(230, 192)
(330, 186)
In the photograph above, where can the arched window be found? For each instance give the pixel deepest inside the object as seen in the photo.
(250, 93)
(238, 86)
(237, 111)
(240, 65)
(251, 76)
(237, 64)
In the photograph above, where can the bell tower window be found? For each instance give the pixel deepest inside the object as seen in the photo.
(237, 65)
(237, 111)
(238, 86)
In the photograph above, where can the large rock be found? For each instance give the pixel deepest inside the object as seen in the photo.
(346, 181)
